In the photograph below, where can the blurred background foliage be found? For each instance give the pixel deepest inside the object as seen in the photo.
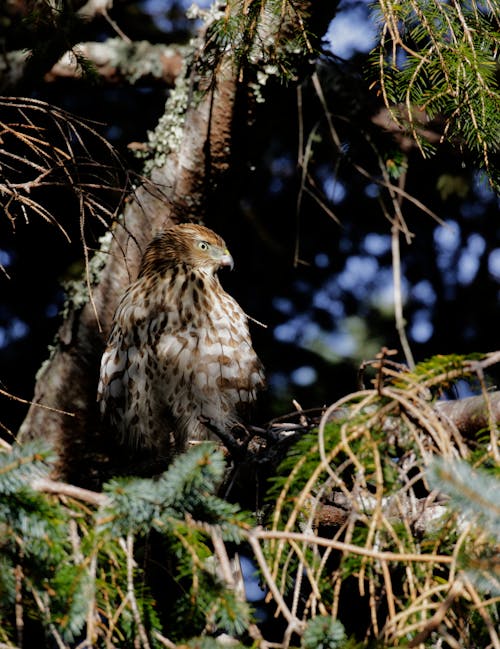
(301, 213)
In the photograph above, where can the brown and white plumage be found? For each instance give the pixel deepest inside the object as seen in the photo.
(180, 349)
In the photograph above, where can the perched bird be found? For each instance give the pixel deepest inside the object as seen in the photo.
(179, 353)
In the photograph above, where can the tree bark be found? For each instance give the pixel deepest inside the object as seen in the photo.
(64, 404)
(184, 175)
(472, 414)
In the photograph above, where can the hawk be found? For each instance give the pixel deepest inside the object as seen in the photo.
(179, 353)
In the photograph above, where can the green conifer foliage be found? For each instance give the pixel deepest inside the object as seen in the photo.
(438, 61)
(475, 496)
(382, 527)
(79, 570)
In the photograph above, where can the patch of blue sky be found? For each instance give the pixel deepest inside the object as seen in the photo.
(296, 329)
(17, 329)
(304, 376)
(6, 258)
(468, 265)
(321, 260)
(463, 389)
(372, 190)
(352, 30)
(376, 244)
(423, 293)
(283, 305)
(421, 328)
(251, 578)
(158, 10)
(382, 296)
(470, 258)
(359, 271)
(447, 236)
(334, 190)
(287, 331)
(494, 264)
(341, 342)
(447, 241)
(323, 299)
(476, 244)
(483, 189)
(153, 8)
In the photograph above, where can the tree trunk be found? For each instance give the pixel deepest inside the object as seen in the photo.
(64, 405)
(183, 177)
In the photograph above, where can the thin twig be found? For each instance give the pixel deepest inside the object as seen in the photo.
(163, 640)
(398, 297)
(259, 533)
(439, 615)
(33, 403)
(64, 489)
(253, 539)
(19, 612)
(131, 593)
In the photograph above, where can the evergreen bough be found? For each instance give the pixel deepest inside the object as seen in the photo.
(438, 60)
(141, 564)
(78, 570)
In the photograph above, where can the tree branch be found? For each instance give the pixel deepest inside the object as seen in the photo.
(470, 415)
(116, 60)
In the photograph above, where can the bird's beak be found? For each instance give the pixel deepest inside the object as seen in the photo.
(226, 259)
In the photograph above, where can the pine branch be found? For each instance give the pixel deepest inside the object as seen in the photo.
(473, 493)
(439, 58)
(476, 496)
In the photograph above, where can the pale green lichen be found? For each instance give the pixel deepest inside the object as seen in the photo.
(77, 292)
(45, 364)
(132, 60)
(214, 12)
(99, 259)
(138, 59)
(167, 136)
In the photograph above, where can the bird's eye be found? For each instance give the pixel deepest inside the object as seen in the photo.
(203, 245)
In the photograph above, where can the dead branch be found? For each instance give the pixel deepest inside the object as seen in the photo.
(44, 147)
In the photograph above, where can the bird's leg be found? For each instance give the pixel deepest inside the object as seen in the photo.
(235, 444)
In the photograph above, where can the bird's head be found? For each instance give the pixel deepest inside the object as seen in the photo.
(187, 243)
